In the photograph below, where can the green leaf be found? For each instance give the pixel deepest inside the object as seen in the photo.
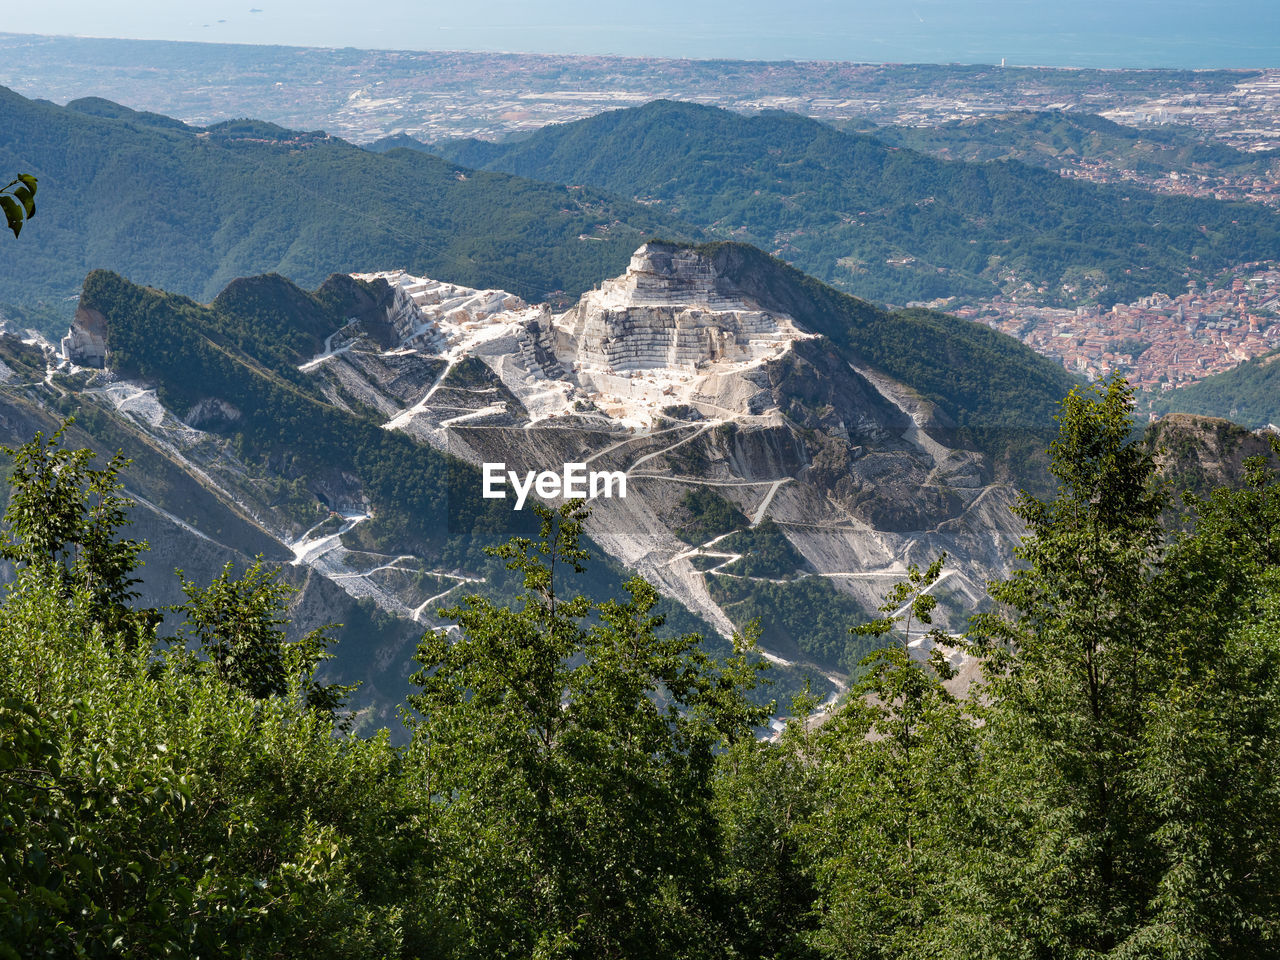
(13, 213)
(26, 196)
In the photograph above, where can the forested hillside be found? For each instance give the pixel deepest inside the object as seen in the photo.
(190, 210)
(884, 222)
(577, 786)
(1000, 394)
(1248, 394)
(161, 338)
(1049, 138)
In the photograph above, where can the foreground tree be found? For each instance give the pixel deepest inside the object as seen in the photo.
(63, 520)
(238, 624)
(150, 808)
(766, 794)
(1211, 748)
(1131, 725)
(894, 768)
(1073, 663)
(570, 765)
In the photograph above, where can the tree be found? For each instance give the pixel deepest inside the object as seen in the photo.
(1133, 720)
(766, 794)
(1212, 742)
(894, 767)
(148, 807)
(63, 519)
(570, 763)
(1073, 660)
(238, 624)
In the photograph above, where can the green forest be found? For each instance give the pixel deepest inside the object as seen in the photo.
(1249, 394)
(883, 221)
(190, 210)
(710, 516)
(577, 785)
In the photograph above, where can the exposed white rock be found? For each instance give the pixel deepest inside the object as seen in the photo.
(666, 332)
(85, 344)
(139, 402)
(667, 313)
(428, 314)
(671, 332)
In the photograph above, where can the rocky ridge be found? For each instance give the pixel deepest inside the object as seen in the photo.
(771, 471)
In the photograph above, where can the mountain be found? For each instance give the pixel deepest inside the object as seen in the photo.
(397, 141)
(107, 109)
(885, 222)
(996, 393)
(189, 210)
(787, 449)
(699, 375)
(236, 456)
(1201, 454)
(1047, 138)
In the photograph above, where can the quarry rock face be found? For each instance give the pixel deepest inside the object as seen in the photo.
(666, 312)
(676, 377)
(85, 344)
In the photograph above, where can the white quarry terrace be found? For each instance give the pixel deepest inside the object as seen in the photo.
(661, 334)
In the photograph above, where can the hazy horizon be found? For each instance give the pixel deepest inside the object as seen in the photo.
(1189, 34)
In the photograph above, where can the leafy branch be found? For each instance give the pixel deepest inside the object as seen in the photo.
(18, 198)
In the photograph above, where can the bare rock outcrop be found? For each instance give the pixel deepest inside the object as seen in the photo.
(85, 344)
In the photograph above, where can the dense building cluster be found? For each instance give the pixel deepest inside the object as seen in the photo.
(1214, 185)
(1158, 342)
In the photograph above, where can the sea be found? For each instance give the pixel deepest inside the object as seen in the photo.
(1193, 34)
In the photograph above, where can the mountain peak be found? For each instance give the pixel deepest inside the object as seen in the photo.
(669, 330)
(662, 273)
(671, 312)
(110, 110)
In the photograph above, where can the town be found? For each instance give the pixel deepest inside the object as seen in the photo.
(1159, 342)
